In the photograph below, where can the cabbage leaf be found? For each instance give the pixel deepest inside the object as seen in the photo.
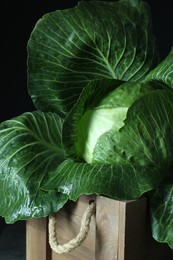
(30, 148)
(161, 210)
(93, 40)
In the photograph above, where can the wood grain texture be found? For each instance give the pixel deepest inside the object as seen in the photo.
(135, 230)
(68, 225)
(37, 247)
(107, 228)
(118, 231)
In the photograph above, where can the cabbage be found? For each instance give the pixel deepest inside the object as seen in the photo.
(106, 115)
(103, 119)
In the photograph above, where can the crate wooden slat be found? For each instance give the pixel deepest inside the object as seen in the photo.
(37, 247)
(118, 231)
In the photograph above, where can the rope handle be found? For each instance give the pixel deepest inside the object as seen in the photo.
(77, 241)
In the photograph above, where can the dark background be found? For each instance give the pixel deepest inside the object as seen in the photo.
(16, 25)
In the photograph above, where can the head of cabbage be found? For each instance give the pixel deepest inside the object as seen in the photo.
(104, 116)
(102, 121)
(122, 123)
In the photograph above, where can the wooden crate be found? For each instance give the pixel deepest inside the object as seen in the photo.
(118, 231)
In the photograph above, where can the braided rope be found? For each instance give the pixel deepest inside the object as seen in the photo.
(75, 242)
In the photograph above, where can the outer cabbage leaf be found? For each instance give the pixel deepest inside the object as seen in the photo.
(163, 73)
(161, 208)
(30, 148)
(93, 40)
(121, 181)
(161, 200)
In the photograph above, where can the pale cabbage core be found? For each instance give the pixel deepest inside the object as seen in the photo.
(93, 124)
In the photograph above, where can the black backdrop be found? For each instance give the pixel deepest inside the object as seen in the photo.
(16, 26)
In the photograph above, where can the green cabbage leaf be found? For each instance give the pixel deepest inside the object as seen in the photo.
(30, 147)
(93, 40)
